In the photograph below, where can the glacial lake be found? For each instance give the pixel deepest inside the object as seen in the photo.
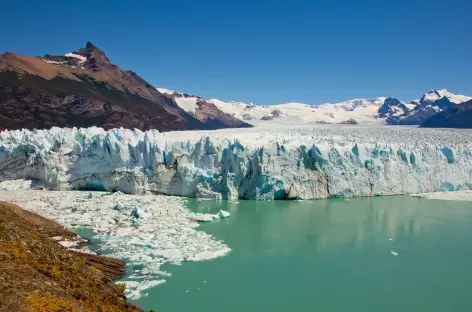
(396, 253)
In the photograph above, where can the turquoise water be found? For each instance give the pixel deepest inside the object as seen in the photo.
(329, 255)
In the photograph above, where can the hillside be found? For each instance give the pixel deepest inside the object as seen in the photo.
(38, 274)
(83, 88)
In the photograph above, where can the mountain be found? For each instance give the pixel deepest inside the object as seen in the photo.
(380, 110)
(356, 111)
(204, 110)
(392, 107)
(363, 111)
(430, 103)
(457, 116)
(83, 88)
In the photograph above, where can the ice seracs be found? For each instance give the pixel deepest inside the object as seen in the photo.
(257, 163)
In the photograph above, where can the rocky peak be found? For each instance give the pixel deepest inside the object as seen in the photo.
(90, 45)
(96, 58)
(392, 106)
(433, 95)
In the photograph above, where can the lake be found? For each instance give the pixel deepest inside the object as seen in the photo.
(396, 253)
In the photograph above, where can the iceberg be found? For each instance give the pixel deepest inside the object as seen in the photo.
(255, 163)
(224, 214)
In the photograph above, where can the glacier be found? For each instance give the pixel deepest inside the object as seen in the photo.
(323, 161)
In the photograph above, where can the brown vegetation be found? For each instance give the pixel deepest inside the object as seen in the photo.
(37, 274)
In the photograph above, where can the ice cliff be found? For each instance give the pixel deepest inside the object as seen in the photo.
(300, 163)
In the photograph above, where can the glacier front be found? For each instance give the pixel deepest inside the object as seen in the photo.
(257, 163)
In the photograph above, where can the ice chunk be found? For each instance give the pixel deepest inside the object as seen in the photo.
(138, 213)
(224, 214)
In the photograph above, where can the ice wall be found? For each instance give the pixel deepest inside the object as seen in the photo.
(287, 163)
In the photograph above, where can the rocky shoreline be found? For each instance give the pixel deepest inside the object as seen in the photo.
(37, 273)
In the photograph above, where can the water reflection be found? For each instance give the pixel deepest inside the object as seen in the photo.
(287, 226)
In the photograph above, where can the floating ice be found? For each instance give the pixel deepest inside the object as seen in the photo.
(458, 195)
(137, 212)
(19, 184)
(255, 163)
(166, 235)
(224, 214)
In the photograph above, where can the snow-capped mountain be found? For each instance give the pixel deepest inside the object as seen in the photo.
(84, 88)
(358, 110)
(363, 111)
(456, 116)
(393, 107)
(380, 110)
(204, 110)
(432, 102)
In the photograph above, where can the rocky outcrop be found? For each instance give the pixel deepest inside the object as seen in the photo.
(214, 117)
(205, 111)
(349, 122)
(392, 107)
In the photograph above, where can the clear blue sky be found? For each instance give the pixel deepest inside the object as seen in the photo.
(262, 51)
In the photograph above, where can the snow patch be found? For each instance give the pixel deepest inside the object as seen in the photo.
(188, 104)
(54, 62)
(165, 91)
(82, 59)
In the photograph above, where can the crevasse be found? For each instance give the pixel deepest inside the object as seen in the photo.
(259, 163)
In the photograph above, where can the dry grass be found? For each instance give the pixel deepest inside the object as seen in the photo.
(37, 274)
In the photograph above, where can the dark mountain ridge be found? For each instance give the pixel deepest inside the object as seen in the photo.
(83, 88)
(457, 116)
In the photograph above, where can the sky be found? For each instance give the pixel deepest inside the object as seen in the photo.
(266, 52)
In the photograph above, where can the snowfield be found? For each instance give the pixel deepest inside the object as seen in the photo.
(163, 232)
(255, 163)
(373, 111)
(363, 111)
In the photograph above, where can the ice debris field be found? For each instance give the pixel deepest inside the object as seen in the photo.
(255, 163)
(146, 231)
(465, 195)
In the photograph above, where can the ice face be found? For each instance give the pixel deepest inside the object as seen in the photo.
(166, 235)
(256, 163)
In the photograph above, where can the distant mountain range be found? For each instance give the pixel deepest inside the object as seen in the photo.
(381, 110)
(83, 88)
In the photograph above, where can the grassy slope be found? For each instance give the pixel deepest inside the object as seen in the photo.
(38, 274)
